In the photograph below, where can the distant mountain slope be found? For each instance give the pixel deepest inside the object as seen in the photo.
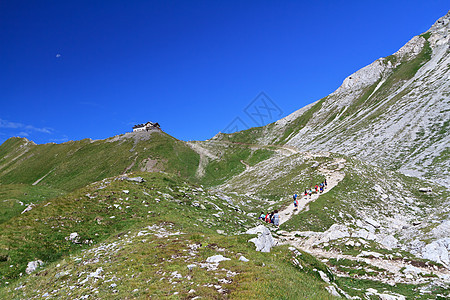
(75, 164)
(395, 112)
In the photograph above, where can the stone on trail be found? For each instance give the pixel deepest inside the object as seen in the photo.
(264, 242)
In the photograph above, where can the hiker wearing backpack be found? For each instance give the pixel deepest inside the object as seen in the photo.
(276, 219)
(262, 216)
(271, 217)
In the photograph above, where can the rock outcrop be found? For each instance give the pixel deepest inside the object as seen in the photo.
(264, 242)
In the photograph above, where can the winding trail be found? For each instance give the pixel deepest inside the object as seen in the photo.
(333, 178)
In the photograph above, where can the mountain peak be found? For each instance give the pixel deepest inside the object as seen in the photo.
(440, 32)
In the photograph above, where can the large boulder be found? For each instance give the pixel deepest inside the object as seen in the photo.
(438, 251)
(264, 241)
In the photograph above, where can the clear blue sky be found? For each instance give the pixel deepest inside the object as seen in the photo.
(92, 69)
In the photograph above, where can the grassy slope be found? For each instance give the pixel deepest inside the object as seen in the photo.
(230, 160)
(74, 164)
(140, 265)
(66, 167)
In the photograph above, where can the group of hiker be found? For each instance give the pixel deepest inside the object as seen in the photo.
(273, 218)
(318, 188)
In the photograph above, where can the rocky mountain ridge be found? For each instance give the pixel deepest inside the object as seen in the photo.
(394, 112)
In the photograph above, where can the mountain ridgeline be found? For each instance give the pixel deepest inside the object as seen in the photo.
(394, 112)
(145, 215)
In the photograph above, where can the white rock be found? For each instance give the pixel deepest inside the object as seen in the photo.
(391, 297)
(324, 277)
(96, 274)
(74, 237)
(442, 230)
(33, 265)
(242, 258)
(437, 251)
(332, 290)
(264, 242)
(29, 207)
(216, 259)
(372, 222)
(191, 266)
(389, 242)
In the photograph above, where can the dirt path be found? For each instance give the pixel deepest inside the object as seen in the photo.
(205, 156)
(247, 166)
(333, 178)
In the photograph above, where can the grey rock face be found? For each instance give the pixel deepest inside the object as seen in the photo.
(264, 242)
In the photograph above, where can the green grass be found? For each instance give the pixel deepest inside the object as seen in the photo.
(357, 287)
(259, 155)
(73, 165)
(41, 232)
(14, 197)
(355, 268)
(230, 163)
(141, 265)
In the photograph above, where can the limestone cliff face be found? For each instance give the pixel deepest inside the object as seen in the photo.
(394, 112)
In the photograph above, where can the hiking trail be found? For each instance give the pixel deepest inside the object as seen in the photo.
(333, 178)
(393, 267)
